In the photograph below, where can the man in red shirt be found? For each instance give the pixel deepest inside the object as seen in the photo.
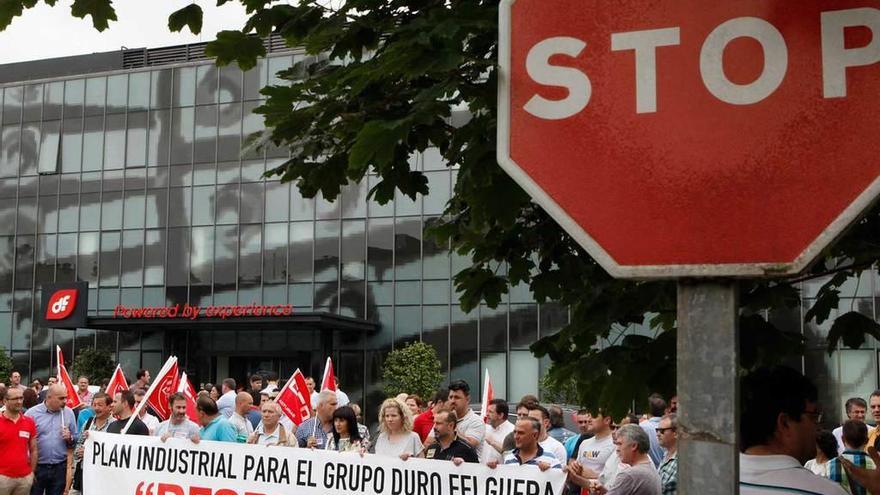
(424, 423)
(18, 446)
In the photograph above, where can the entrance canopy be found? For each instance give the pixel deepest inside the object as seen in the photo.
(293, 322)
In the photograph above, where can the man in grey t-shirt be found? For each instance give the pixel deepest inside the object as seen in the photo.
(641, 478)
(178, 425)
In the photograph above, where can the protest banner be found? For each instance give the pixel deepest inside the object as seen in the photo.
(137, 465)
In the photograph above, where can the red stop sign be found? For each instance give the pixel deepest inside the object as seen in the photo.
(693, 138)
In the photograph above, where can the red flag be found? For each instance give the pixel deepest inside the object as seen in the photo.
(166, 383)
(64, 379)
(303, 388)
(488, 395)
(187, 389)
(293, 401)
(117, 382)
(329, 381)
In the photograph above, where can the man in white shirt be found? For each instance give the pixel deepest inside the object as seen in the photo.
(778, 424)
(341, 397)
(547, 442)
(496, 430)
(593, 452)
(226, 402)
(856, 409)
(470, 427)
(151, 421)
(178, 425)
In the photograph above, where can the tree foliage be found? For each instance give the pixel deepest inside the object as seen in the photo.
(95, 364)
(412, 369)
(5, 366)
(383, 81)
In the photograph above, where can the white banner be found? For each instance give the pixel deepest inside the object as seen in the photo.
(138, 465)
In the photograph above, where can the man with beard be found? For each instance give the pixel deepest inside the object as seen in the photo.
(178, 425)
(123, 404)
(99, 422)
(448, 447)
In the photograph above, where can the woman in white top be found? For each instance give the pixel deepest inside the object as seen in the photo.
(396, 437)
(826, 449)
(270, 431)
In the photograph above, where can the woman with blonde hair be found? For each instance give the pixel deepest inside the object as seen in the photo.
(396, 437)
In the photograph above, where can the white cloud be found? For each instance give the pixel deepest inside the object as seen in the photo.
(47, 32)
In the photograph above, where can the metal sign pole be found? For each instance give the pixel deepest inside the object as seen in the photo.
(708, 387)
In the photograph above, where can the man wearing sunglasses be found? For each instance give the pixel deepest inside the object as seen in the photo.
(667, 435)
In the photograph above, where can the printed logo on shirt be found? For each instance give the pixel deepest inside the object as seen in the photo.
(431, 452)
(592, 454)
(61, 304)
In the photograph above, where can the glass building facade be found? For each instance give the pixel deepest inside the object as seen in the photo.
(140, 183)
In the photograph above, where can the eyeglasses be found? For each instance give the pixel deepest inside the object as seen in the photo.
(817, 415)
(661, 431)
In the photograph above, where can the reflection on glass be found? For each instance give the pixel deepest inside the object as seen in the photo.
(71, 145)
(275, 253)
(202, 256)
(53, 99)
(463, 342)
(136, 146)
(252, 202)
(225, 256)
(109, 259)
(227, 203)
(90, 211)
(157, 207)
(12, 105)
(250, 263)
(177, 261)
(30, 147)
(179, 206)
(158, 139)
(96, 90)
(87, 260)
(277, 201)
(408, 249)
(255, 80)
(230, 83)
(132, 258)
(117, 93)
(154, 257)
(229, 140)
(206, 84)
(111, 211)
(25, 247)
(354, 200)
(380, 248)
(50, 136)
(114, 142)
(435, 332)
(74, 97)
(301, 208)
(10, 141)
(160, 88)
(182, 120)
(48, 214)
(184, 86)
(205, 134)
(301, 246)
(66, 264)
(353, 250)
(326, 250)
(93, 143)
(68, 212)
(203, 205)
(32, 103)
(138, 91)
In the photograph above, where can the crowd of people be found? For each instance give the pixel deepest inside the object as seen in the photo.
(42, 440)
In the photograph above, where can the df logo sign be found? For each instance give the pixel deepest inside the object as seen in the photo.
(61, 304)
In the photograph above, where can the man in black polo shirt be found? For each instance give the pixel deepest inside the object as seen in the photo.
(123, 403)
(448, 447)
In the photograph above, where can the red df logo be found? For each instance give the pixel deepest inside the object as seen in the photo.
(61, 304)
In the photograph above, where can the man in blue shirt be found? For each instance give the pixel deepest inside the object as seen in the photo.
(56, 436)
(657, 407)
(214, 426)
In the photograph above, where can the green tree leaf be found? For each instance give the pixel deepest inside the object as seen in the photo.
(851, 328)
(235, 46)
(412, 369)
(102, 12)
(95, 364)
(5, 365)
(190, 16)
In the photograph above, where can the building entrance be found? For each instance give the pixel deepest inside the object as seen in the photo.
(241, 368)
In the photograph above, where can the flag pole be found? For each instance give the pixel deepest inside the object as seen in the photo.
(137, 411)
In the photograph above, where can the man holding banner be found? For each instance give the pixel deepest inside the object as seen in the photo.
(178, 425)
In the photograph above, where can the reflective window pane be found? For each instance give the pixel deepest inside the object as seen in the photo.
(301, 245)
(30, 142)
(157, 207)
(159, 138)
(250, 262)
(380, 248)
(277, 201)
(12, 104)
(53, 100)
(182, 135)
(136, 140)
(154, 257)
(160, 88)
(255, 80)
(326, 250)
(177, 261)
(408, 249)
(111, 211)
(206, 84)
(50, 137)
(74, 97)
(10, 142)
(71, 145)
(96, 93)
(275, 253)
(227, 204)
(184, 86)
(87, 258)
(32, 103)
(229, 139)
(225, 257)
(205, 134)
(201, 256)
(93, 143)
(109, 259)
(203, 205)
(138, 91)
(252, 202)
(132, 258)
(230, 83)
(354, 250)
(117, 93)
(114, 142)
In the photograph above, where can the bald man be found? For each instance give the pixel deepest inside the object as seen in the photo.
(56, 436)
(243, 427)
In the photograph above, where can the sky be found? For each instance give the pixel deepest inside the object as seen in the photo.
(47, 32)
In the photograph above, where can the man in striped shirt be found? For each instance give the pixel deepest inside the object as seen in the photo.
(527, 451)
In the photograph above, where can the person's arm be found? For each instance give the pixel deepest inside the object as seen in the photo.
(229, 434)
(32, 444)
(68, 478)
